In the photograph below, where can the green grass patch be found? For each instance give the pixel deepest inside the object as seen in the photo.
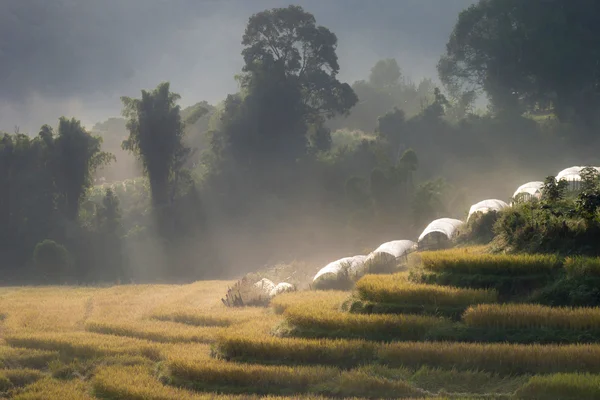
(582, 266)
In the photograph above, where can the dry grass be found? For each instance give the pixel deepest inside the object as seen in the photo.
(85, 344)
(157, 331)
(192, 317)
(500, 358)
(133, 383)
(561, 386)
(316, 299)
(332, 323)
(47, 324)
(526, 316)
(11, 378)
(25, 358)
(271, 350)
(264, 379)
(394, 290)
(50, 389)
(469, 262)
(497, 358)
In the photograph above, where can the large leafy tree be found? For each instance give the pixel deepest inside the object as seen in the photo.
(528, 55)
(287, 41)
(77, 156)
(156, 132)
(385, 74)
(289, 87)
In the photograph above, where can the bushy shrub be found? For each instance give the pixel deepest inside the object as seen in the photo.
(582, 266)
(52, 260)
(479, 229)
(537, 227)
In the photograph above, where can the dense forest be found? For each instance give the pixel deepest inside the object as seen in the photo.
(298, 164)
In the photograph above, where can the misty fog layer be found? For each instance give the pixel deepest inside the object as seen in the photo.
(75, 58)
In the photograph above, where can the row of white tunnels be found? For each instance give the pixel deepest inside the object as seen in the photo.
(442, 229)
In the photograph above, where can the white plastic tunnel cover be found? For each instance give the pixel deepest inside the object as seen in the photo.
(487, 206)
(572, 173)
(445, 226)
(395, 248)
(335, 267)
(530, 188)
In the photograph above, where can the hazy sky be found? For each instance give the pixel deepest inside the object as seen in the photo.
(76, 57)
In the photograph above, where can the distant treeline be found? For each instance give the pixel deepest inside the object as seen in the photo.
(298, 164)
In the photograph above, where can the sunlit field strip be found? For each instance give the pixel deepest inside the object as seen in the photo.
(561, 386)
(463, 261)
(51, 389)
(134, 383)
(499, 358)
(229, 377)
(310, 300)
(524, 316)
(85, 344)
(11, 357)
(332, 323)
(217, 315)
(392, 290)
(64, 309)
(157, 331)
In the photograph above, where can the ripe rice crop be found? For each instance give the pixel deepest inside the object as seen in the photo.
(561, 386)
(583, 266)
(500, 358)
(497, 358)
(388, 289)
(51, 389)
(331, 323)
(25, 358)
(265, 379)
(271, 350)
(10, 378)
(85, 344)
(194, 318)
(157, 331)
(133, 383)
(317, 299)
(462, 261)
(527, 316)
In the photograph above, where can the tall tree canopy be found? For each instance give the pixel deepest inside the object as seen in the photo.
(288, 41)
(528, 55)
(289, 88)
(386, 73)
(78, 155)
(155, 136)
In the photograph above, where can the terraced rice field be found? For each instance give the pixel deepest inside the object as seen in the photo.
(162, 342)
